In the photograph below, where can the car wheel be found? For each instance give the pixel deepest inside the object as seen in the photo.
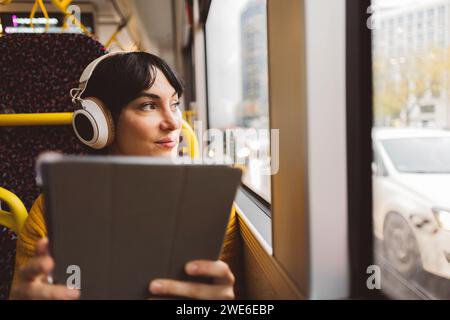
(400, 245)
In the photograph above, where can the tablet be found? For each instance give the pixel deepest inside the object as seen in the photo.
(119, 222)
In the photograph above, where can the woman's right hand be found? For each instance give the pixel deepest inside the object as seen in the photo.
(32, 282)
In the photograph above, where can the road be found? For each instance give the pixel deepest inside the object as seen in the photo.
(421, 285)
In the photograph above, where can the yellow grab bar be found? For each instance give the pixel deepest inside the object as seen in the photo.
(62, 4)
(15, 219)
(192, 141)
(41, 5)
(35, 119)
(112, 39)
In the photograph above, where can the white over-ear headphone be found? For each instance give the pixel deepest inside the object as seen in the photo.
(93, 123)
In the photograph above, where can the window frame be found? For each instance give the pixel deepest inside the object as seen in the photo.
(359, 151)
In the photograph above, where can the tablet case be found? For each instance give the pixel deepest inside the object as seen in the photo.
(125, 221)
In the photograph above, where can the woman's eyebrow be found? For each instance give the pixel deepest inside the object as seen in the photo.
(149, 95)
(152, 95)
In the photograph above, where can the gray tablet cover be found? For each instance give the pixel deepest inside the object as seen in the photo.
(127, 220)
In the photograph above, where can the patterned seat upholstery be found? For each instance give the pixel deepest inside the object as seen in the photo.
(36, 73)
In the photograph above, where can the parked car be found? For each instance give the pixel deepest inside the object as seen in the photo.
(411, 198)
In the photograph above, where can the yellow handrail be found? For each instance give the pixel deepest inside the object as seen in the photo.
(15, 219)
(35, 119)
(189, 115)
(39, 3)
(62, 4)
(192, 141)
(112, 39)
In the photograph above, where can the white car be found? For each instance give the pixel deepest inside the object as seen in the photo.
(411, 198)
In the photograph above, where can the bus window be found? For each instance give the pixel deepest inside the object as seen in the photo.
(411, 207)
(237, 79)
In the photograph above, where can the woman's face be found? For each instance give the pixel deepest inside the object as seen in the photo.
(151, 124)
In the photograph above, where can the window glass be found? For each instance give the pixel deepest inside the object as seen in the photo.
(411, 203)
(419, 155)
(236, 51)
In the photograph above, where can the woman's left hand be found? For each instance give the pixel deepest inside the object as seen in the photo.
(221, 287)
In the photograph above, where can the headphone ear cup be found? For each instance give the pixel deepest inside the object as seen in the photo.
(93, 124)
(111, 130)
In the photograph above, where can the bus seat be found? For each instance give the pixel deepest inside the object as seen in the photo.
(38, 71)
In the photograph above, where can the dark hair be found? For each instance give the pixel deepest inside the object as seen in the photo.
(121, 78)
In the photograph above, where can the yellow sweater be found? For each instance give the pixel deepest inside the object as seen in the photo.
(35, 229)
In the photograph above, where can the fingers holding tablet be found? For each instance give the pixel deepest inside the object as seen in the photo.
(220, 289)
(33, 279)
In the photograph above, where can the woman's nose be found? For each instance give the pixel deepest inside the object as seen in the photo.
(171, 121)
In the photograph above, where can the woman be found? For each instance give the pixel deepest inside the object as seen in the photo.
(143, 95)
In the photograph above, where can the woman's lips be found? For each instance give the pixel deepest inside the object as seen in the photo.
(166, 143)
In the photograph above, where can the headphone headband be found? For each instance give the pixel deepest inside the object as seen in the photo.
(76, 93)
